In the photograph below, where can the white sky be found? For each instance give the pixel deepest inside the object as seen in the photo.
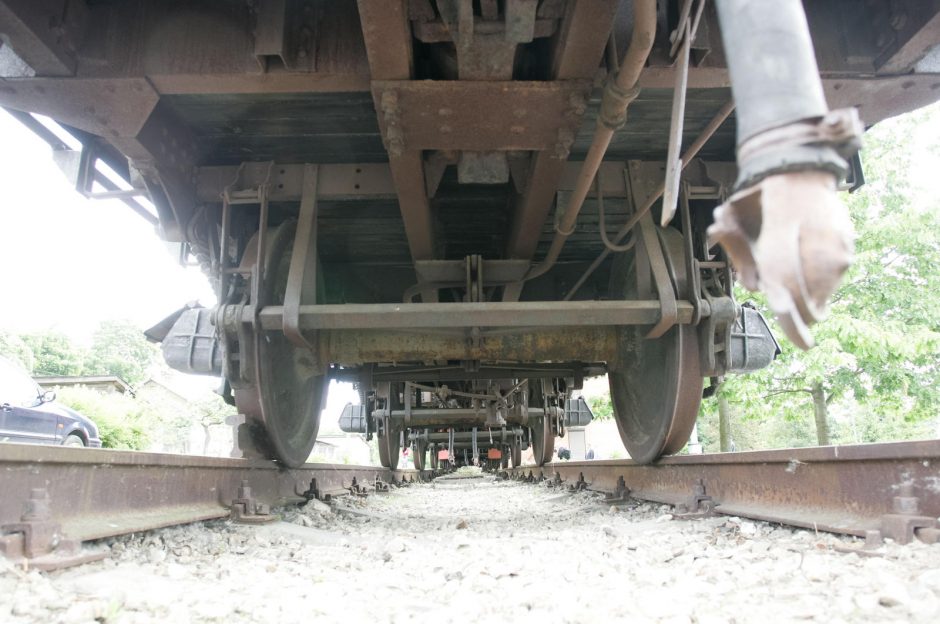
(69, 262)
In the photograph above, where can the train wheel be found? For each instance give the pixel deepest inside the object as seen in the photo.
(657, 388)
(390, 447)
(383, 449)
(516, 455)
(543, 440)
(435, 462)
(389, 437)
(420, 452)
(540, 430)
(283, 405)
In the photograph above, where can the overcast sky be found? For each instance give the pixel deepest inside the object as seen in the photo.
(69, 262)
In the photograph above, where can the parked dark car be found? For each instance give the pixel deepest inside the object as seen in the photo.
(30, 416)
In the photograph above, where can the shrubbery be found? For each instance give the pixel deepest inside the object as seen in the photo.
(122, 420)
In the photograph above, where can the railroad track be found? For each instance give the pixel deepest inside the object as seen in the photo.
(54, 499)
(876, 491)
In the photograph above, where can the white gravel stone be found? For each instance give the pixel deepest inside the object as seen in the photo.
(477, 549)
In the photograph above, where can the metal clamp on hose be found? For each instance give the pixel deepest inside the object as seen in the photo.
(820, 144)
(613, 111)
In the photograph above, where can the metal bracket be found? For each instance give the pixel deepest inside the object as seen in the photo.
(673, 159)
(247, 510)
(715, 335)
(302, 282)
(580, 485)
(665, 289)
(37, 541)
(620, 495)
(356, 489)
(698, 504)
(903, 524)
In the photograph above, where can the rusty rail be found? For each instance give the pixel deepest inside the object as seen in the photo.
(889, 490)
(54, 498)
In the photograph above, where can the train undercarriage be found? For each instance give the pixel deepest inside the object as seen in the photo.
(467, 207)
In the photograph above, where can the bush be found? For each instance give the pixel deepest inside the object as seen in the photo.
(121, 420)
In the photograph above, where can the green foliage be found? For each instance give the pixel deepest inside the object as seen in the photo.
(878, 353)
(120, 348)
(212, 410)
(123, 423)
(16, 350)
(54, 354)
(601, 407)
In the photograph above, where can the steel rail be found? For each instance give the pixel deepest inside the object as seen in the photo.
(868, 490)
(89, 494)
(54, 498)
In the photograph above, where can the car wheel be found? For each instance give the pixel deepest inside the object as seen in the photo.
(73, 440)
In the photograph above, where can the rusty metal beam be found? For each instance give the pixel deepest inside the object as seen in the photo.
(386, 31)
(408, 174)
(387, 34)
(482, 115)
(354, 181)
(841, 489)
(44, 33)
(531, 209)
(466, 315)
(911, 33)
(105, 107)
(577, 51)
(581, 39)
(570, 344)
(165, 153)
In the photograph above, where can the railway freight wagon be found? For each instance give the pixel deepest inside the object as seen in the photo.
(466, 207)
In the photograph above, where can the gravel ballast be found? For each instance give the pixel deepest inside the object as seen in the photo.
(478, 549)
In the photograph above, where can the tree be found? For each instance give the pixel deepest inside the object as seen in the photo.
(123, 423)
(724, 423)
(601, 407)
(210, 412)
(877, 357)
(120, 348)
(16, 350)
(54, 354)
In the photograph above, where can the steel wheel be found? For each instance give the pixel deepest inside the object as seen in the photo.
(657, 387)
(383, 449)
(516, 455)
(389, 447)
(540, 429)
(282, 407)
(389, 438)
(420, 452)
(435, 462)
(543, 440)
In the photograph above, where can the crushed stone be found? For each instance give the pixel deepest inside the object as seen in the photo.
(485, 550)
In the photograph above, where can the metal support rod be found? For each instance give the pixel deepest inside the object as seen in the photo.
(465, 437)
(465, 315)
(450, 416)
(687, 157)
(302, 275)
